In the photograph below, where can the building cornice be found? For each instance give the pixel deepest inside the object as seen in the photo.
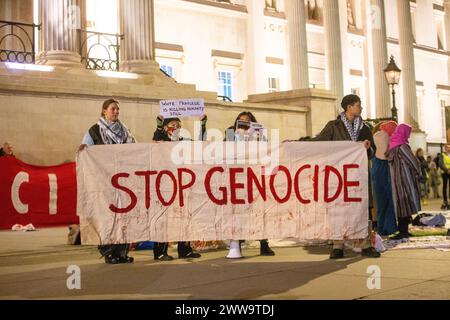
(274, 14)
(169, 46)
(227, 54)
(223, 5)
(274, 60)
(422, 47)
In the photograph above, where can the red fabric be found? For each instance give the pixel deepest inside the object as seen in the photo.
(36, 194)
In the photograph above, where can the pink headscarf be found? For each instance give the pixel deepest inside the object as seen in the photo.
(388, 127)
(400, 136)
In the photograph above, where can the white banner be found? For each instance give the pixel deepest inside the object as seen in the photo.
(190, 191)
(182, 108)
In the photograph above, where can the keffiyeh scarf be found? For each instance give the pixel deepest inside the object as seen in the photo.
(114, 132)
(352, 128)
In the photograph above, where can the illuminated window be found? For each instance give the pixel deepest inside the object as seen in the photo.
(274, 84)
(225, 84)
(168, 69)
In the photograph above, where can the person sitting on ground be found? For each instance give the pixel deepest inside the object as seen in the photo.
(169, 130)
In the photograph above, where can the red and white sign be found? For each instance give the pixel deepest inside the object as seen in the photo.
(43, 196)
(137, 192)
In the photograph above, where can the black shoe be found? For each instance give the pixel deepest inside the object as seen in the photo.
(266, 251)
(337, 254)
(112, 260)
(444, 206)
(189, 255)
(370, 252)
(164, 257)
(400, 236)
(126, 259)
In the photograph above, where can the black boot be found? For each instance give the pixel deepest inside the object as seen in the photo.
(121, 251)
(337, 254)
(370, 252)
(265, 249)
(402, 229)
(109, 259)
(185, 251)
(160, 251)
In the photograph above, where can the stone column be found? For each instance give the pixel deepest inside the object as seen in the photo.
(256, 57)
(298, 49)
(408, 76)
(379, 58)
(60, 21)
(333, 48)
(137, 27)
(447, 30)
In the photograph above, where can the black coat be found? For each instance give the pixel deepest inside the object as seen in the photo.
(335, 130)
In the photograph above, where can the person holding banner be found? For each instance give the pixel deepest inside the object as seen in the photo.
(109, 130)
(242, 131)
(381, 179)
(169, 130)
(405, 174)
(350, 126)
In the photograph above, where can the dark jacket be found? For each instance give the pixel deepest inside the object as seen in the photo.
(335, 130)
(161, 135)
(94, 132)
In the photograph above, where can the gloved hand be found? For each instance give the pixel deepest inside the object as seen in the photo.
(159, 121)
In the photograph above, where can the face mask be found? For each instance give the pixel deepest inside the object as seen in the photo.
(173, 133)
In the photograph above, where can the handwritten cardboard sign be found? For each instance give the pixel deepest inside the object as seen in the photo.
(182, 108)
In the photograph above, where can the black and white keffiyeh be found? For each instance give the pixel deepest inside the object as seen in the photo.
(114, 132)
(353, 128)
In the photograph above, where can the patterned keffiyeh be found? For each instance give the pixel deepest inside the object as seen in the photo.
(114, 132)
(352, 128)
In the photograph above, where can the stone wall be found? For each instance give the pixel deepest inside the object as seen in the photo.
(45, 114)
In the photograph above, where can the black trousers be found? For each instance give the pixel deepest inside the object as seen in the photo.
(445, 181)
(160, 248)
(114, 250)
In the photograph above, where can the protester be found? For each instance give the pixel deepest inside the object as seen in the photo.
(381, 180)
(405, 174)
(6, 150)
(109, 130)
(349, 126)
(241, 131)
(169, 130)
(444, 165)
(424, 176)
(434, 179)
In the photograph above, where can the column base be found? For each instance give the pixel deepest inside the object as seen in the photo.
(140, 66)
(58, 58)
(418, 140)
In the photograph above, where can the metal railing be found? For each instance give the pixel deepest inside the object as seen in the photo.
(17, 42)
(224, 98)
(99, 51)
